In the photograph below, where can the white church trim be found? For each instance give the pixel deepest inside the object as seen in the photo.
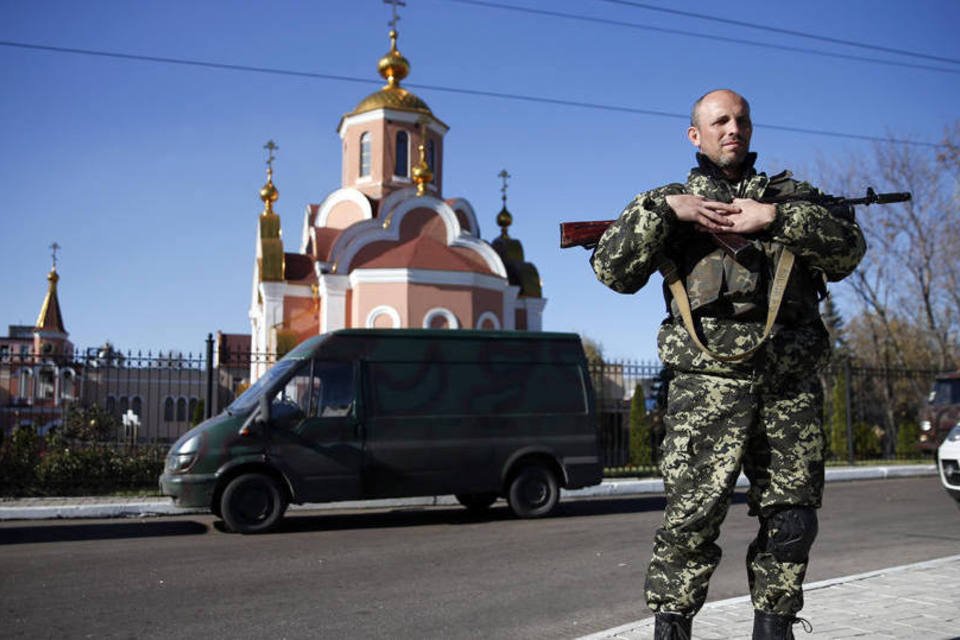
(383, 310)
(348, 245)
(452, 322)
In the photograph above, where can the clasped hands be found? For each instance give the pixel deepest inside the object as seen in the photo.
(743, 215)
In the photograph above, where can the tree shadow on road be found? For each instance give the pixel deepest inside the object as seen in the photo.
(73, 531)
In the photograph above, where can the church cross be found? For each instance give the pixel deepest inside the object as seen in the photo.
(503, 175)
(396, 18)
(271, 146)
(54, 248)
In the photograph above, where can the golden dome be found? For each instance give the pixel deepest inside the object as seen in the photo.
(269, 193)
(393, 68)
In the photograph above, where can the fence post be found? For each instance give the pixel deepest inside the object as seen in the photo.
(208, 404)
(848, 387)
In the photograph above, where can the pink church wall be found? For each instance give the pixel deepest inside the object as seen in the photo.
(299, 316)
(343, 214)
(413, 301)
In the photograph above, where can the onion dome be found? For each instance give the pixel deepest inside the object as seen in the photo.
(393, 68)
(272, 265)
(50, 318)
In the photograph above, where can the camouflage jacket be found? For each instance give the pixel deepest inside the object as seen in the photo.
(827, 244)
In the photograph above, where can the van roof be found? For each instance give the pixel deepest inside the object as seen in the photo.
(445, 344)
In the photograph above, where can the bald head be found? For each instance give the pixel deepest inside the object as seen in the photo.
(720, 128)
(694, 112)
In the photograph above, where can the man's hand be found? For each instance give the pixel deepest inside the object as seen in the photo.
(741, 216)
(708, 215)
(752, 216)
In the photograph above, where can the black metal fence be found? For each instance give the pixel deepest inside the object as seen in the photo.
(869, 413)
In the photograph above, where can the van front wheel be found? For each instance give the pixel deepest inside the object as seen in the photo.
(533, 492)
(252, 503)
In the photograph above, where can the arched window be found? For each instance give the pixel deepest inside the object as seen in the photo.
(68, 384)
(111, 404)
(365, 154)
(440, 318)
(383, 317)
(431, 158)
(181, 409)
(45, 384)
(192, 409)
(401, 166)
(137, 405)
(168, 409)
(489, 321)
(23, 383)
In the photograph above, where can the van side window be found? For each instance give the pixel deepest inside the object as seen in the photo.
(333, 388)
(475, 389)
(323, 389)
(292, 403)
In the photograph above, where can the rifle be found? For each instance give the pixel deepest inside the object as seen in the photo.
(587, 234)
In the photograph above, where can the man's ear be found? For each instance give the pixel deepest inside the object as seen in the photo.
(694, 135)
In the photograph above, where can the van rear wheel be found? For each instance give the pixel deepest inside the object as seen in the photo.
(533, 492)
(476, 502)
(252, 503)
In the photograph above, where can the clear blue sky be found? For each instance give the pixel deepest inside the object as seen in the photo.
(147, 174)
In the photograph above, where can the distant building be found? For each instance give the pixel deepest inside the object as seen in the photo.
(153, 397)
(386, 249)
(37, 374)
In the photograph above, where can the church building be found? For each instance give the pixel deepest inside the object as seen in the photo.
(387, 249)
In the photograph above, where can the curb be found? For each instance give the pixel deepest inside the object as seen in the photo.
(615, 632)
(75, 508)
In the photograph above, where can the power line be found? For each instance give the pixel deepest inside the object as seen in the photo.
(703, 36)
(455, 90)
(799, 34)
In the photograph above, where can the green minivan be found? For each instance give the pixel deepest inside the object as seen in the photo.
(360, 414)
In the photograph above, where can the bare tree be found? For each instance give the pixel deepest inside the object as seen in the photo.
(910, 275)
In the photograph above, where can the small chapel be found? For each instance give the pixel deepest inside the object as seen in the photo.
(388, 249)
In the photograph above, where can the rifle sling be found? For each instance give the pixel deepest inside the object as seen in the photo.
(671, 277)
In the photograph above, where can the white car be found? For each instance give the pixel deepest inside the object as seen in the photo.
(948, 461)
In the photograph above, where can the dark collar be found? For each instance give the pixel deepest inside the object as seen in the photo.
(708, 168)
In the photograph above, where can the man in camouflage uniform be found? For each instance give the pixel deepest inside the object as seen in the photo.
(729, 407)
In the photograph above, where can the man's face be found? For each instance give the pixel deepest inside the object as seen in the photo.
(722, 130)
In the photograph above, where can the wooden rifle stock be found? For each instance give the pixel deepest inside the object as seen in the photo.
(587, 234)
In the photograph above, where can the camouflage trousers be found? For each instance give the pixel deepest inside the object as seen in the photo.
(715, 426)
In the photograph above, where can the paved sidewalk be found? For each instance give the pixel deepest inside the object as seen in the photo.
(916, 602)
(111, 507)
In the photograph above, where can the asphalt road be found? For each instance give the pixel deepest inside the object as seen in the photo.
(418, 573)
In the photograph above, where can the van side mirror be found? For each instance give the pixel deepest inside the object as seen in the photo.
(257, 422)
(263, 413)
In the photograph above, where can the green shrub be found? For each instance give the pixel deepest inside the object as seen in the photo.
(908, 438)
(641, 452)
(18, 457)
(97, 469)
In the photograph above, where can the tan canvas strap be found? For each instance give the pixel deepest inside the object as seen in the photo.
(672, 278)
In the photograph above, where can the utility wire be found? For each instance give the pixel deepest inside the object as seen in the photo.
(455, 90)
(704, 36)
(763, 27)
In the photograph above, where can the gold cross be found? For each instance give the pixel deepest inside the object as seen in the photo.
(54, 248)
(503, 175)
(271, 146)
(396, 18)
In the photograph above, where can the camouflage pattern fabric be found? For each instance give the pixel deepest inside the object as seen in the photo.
(762, 415)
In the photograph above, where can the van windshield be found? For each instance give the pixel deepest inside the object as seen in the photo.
(946, 391)
(249, 398)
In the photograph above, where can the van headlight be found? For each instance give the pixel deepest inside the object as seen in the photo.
(183, 457)
(954, 434)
